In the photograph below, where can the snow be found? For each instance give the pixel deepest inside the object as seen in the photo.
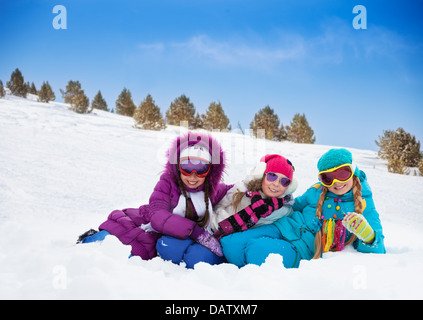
(62, 173)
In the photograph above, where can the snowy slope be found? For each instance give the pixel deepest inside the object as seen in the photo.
(62, 173)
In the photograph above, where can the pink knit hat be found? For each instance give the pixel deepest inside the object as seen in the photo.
(278, 164)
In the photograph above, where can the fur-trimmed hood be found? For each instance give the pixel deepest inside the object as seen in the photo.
(204, 139)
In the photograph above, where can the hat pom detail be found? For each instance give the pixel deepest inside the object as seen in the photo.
(258, 171)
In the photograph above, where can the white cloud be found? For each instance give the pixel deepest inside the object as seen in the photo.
(337, 42)
(240, 53)
(230, 52)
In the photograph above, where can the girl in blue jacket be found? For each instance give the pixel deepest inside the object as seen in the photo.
(330, 215)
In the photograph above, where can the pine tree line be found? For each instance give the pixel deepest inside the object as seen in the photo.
(398, 147)
(298, 131)
(182, 110)
(148, 116)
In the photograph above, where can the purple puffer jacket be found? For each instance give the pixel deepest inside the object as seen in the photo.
(125, 224)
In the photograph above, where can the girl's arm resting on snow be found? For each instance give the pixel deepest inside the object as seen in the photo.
(372, 217)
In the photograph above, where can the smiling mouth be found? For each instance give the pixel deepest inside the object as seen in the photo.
(192, 182)
(340, 187)
(273, 190)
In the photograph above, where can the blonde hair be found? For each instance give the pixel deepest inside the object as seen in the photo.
(252, 186)
(358, 208)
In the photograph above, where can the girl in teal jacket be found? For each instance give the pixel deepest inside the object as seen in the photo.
(330, 215)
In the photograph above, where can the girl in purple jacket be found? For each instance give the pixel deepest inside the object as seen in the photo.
(176, 224)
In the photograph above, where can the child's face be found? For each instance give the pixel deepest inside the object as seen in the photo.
(273, 189)
(341, 188)
(192, 181)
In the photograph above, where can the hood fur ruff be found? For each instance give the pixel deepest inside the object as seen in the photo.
(205, 139)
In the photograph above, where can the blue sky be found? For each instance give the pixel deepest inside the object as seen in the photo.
(299, 56)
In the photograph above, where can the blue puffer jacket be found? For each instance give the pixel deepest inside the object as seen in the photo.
(300, 228)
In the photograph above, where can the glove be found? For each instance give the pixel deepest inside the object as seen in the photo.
(207, 240)
(358, 225)
(248, 217)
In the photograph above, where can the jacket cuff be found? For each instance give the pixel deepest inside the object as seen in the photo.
(226, 227)
(377, 246)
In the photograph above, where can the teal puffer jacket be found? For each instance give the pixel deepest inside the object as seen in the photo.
(300, 228)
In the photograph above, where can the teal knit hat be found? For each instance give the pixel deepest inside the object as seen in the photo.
(336, 157)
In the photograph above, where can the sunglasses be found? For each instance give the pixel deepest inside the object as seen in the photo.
(189, 165)
(272, 177)
(342, 173)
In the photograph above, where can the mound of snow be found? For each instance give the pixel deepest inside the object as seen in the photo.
(63, 173)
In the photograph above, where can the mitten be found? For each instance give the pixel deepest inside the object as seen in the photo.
(264, 207)
(248, 217)
(207, 240)
(358, 225)
(274, 203)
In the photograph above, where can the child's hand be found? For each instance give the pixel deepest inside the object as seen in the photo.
(207, 240)
(358, 225)
(255, 196)
(275, 203)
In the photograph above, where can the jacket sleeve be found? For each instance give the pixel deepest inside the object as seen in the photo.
(162, 219)
(221, 191)
(250, 215)
(303, 201)
(372, 217)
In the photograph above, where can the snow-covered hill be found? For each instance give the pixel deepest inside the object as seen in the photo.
(62, 173)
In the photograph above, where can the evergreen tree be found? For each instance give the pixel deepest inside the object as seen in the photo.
(17, 84)
(198, 122)
(399, 144)
(2, 91)
(72, 89)
(33, 89)
(81, 103)
(299, 130)
(99, 102)
(281, 134)
(420, 166)
(124, 104)
(215, 118)
(266, 119)
(181, 109)
(28, 87)
(46, 94)
(397, 165)
(76, 97)
(147, 116)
